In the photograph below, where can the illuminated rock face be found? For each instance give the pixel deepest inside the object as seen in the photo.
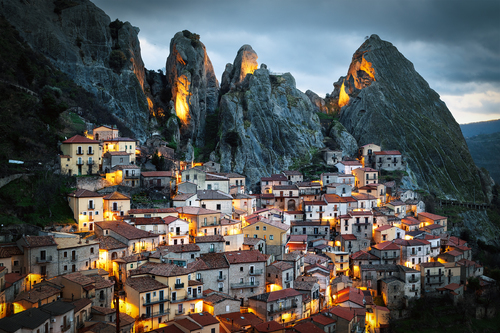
(391, 105)
(192, 82)
(244, 63)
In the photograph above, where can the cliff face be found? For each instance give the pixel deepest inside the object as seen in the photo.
(76, 36)
(385, 101)
(265, 123)
(193, 85)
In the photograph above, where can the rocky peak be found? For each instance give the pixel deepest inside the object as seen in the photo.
(391, 105)
(193, 84)
(244, 63)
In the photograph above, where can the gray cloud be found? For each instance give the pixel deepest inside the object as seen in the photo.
(451, 43)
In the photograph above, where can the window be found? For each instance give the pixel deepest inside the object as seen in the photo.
(264, 228)
(271, 237)
(257, 228)
(254, 236)
(92, 250)
(65, 267)
(241, 270)
(65, 254)
(218, 207)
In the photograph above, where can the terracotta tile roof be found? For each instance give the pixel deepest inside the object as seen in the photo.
(322, 319)
(454, 253)
(388, 152)
(363, 255)
(79, 278)
(64, 156)
(387, 245)
(354, 295)
(81, 303)
(101, 283)
(102, 310)
(284, 187)
(125, 319)
(360, 212)
(160, 269)
(204, 318)
(109, 243)
(117, 153)
(125, 166)
(216, 297)
(167, 329)
(37, 294)
(268, 326)
(11, 278)
(432, 216)
(194, 283)
(384, 227)
(117, 196)
(292, 172)
(307, 327)
(147, 220)
(348, 237)
(215, 260)
(183, 196)
(119, 139)
(297, 238)
(209, 239)
(7, 251)
(73, 242)
(409, 220)
(79, 139)
(213, 195)
(100, 327)
(433, 226)
(315, 203)
(132, 258)
(240, 257)
(85, 194)
(282, 265)
(40, 241)
(276, 295)
(144, 284)
(188, 324)
(299, 284)
(189, 210)
(334, 198)
(156, 174)
(180, 248)
(341, 312)
(311, 259)
(363, 196)
(124, 229)
(431, 264)
(411, 242)
(152, 210)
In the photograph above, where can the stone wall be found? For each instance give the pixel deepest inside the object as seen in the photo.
(92, 183)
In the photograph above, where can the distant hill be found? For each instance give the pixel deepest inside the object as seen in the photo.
(483, 127)
(485, 151)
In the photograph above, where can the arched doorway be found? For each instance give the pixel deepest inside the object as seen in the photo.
(291, 204)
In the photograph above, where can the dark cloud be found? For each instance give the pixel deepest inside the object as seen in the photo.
(449, 42)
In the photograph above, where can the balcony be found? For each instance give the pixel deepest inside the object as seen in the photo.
(414, 290)
(41, 260)
(186, 297)
(288, 279)
(74, 258)
(156, 314)
(244, 285)
(79, 152)
(256, 272)
(90, 152)
(66, 327)
(413, 279)
(221, 278)
(91, 207)
(79, 162)
(179, 312)
(179, 285)
(90, 162)
(129, 176)
(199, 280)
(154, 300)
(283, 308)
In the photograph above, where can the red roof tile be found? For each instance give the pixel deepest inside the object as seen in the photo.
(342, 312)
(388, 152)
(156, 174)
(432, 216)
(85, 194)
(307, 327)
(79, 139)
(204, 318)
(387, 245)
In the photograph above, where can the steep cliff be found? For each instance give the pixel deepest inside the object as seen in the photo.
(265, 123)
(193, 86)
(101, 56)
(385, 101)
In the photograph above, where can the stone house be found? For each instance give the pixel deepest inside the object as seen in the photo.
(343, 190)
(283, 306)
(115, 205)
(274, 233)
(469, 269)
(111, 159)
(410, 223)
(280, 273)
(205, 180)
(12, 257)
(247, 270)
(293, 176)
(433, 229)
(211, 244)
(392, 289)
(156, 179)
(387, 233)
(216, 200)
(180, 255)
(428, 218)
(346, 167)
(267, 183)
(414, 251)
(309, 287)
(153, 212)
(125, 175)
(187, 187)
(109, 250)
(120, 144)
(177, 230)
(435, 244)
(201, 220)
(212, 269)
(87, 207)
(80, 156)
(332, 156)
(296, 259)
(82, 311)
(371, 274)
(244, 202)
(40, 257)
(366, 154)
(185, 199)
(39, 295)
(75, 254)
(359, 258)
(365, 176)
(354, 219)
(136, 240)
(123, 265)
(341, 261)
(387, 251)
(338, 206)
(345, 317)
(315, 210)
(155, 225)
(389, 160)
(432, 276)
(217, 303)
(313, 230)
(398, 208)
(286, 197)
(236, 182)
(411, 278)
(104, 132)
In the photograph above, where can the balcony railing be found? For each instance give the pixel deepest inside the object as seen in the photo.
(43, 259)
(221, 277)
(187, 297)
(79, 162)
(413, 279)
(90, 152)
(256, 272)
(156, 314)
(66, 327)
(154, 300)
(91, 207)
(244, 285)
(79, 152)
(128, 176)
(90, 162)
(179, 285)
(181, 311)
(199, 280)
(283, 308)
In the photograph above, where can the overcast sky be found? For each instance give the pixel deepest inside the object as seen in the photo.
(454, 44)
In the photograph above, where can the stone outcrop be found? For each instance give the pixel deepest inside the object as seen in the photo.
(76, 36)
(193, 85)
(266, 124)
(385, 101)
(244, 63)
(344, 139)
